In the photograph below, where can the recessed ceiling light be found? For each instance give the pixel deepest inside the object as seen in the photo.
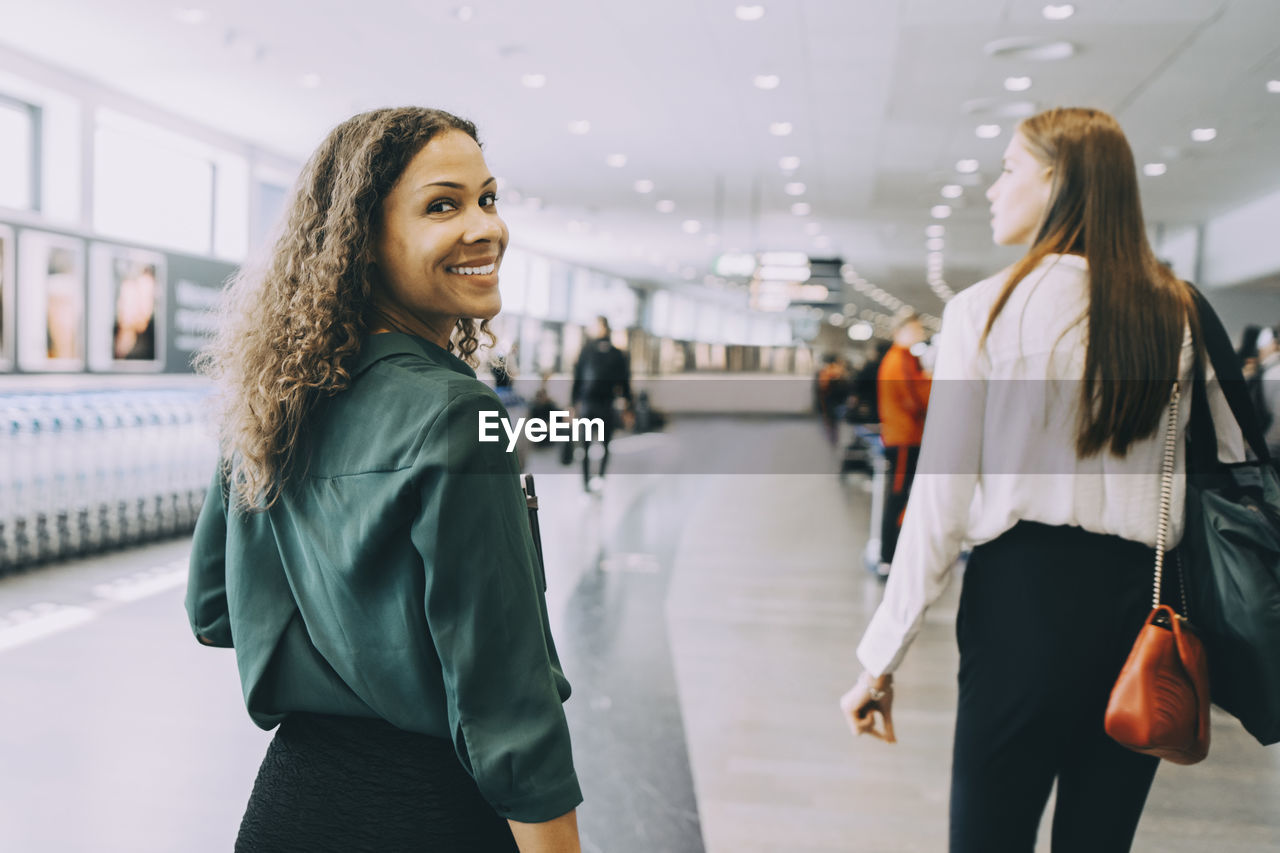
(966, 167)
(691, 226)
(794, 188)
(780, 128)
(935, 231)
(1204, 134)
(784, 259)
(666, 205)
(643, 186)
(1017, 84)
(1154, 170)
(580, 128)
(861, 332)
(766, 81)
(1030, 48)
(952, 191)
(987, 131)
(813, 228)
(533, 81)
(1273, 86)
(935, 244)
(309, 81)
(191, 16)
(617, 161)
(999, 108)
(464, 13)
(749, 13)
(789, 164)
(940, 211)
(801, 208)
(1059, 13)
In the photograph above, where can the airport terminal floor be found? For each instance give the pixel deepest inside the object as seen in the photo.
(706, 621)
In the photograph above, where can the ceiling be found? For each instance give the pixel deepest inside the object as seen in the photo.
(883, 99)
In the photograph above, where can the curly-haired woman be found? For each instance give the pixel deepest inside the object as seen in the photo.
(370, 559)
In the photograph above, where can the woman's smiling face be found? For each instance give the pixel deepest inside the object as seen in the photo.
(440, 241)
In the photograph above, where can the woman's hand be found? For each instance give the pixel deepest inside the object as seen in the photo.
(868, 697)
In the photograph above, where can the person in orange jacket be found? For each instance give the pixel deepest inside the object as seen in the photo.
(903, 393)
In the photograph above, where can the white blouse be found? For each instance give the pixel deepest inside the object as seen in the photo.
(999, 445)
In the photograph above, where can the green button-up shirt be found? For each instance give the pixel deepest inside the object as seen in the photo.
(396, 577)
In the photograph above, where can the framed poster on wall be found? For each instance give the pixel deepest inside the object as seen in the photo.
(7, 290)
(126, 308)
(51, 331)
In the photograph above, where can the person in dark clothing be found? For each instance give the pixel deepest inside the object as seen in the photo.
(602, 374)
(864, 404)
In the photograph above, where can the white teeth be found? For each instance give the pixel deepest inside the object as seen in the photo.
(473, 270)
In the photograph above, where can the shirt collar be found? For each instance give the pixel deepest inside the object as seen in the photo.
(386, 344)
(1076, 261)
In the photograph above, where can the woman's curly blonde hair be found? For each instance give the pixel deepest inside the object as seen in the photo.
(290, 328)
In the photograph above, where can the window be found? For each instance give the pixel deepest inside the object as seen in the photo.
(151, 186)
(19, 128)
(270, 200)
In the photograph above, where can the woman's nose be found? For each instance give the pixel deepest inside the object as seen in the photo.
(484, 226)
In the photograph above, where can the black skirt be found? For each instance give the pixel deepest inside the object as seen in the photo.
(350, 784)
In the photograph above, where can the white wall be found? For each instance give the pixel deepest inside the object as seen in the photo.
(1242, 245)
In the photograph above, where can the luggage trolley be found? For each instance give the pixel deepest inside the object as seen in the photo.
(865, 453)
(879, 498)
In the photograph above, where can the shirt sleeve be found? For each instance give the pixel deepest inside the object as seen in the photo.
(623, 360)
(488, 619)
(578, 366)
(936, 520)
(207, 576)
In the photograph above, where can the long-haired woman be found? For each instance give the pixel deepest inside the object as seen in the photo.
(1043, 447)
(369, 558)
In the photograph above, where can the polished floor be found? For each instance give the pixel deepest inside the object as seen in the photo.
(706, 605)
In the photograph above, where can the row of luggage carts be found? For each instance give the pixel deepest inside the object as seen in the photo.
(864, 455)
(88, 471)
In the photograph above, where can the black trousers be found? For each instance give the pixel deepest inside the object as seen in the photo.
(1047, 618)
(902, 470)
(605, 412)
(349, 785)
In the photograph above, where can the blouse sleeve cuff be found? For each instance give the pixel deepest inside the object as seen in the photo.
(548, 803)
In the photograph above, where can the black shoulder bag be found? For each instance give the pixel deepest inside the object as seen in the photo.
(1231, 547)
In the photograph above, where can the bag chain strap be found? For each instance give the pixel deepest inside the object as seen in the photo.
(1166, 499)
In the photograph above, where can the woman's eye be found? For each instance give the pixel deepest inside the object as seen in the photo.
(488, 199)
(441, 206)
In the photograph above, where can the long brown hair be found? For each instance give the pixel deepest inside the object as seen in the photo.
(289, 330)
(1138, 310)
